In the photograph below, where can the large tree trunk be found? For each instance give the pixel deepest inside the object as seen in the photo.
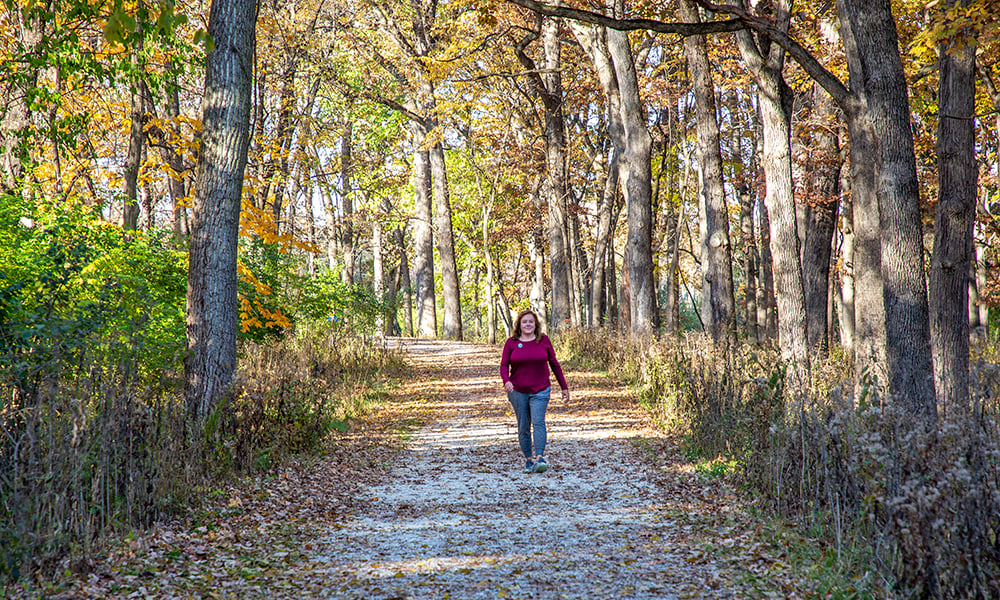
(869, 307)
(955, 215)
(423, 253)
(717, 268)
(767, 310)
(212, 320)
(908, 350)
(445, 241)
(636, 180)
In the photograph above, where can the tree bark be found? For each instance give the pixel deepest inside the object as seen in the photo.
(592, 39)
(636, 181)
(212, 320)
(767, 311)
(717, 269)
(133, 158)
(445, 241)
(548, 89)
(955, 214)
(869, 307)
(908, 349)
(824, 165)
(775, 100)
(404, 269)
(345, 224)
(423, 254)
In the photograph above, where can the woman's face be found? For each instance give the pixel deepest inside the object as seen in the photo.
(528, 324)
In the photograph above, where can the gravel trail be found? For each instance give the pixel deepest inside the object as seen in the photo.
(457, 518)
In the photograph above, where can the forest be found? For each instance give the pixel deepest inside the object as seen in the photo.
(780, 223)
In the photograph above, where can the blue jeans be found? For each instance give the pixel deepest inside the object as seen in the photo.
(530, 411)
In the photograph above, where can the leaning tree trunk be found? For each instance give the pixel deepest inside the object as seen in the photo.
(212, 320)
(591, 38)
(954, 221)
(718, 268)
(636, 180)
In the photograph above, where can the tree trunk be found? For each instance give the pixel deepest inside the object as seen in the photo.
(845, 297)
(869, 307)
(767, 311)
(133, 158)
(378, 272)
(16, 122)
(636, 180)
(775, 102)
(908, 348)
(345, 226)
(592, 38)
(212, 320)
(749, 261)
(423, 255)
(821, 221)
(548, 88)
(718, 269)
(404, 269)
(445, 241)
(954, 220)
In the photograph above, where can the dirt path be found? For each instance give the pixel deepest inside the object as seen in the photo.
(619, 514)
(458, 519)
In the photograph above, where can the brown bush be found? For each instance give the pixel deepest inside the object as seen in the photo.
(926, 505)
(90, 450)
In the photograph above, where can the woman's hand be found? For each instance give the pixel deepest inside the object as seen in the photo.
(566, 395)
(508, 387)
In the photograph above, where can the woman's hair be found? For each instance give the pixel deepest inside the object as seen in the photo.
(517, 324)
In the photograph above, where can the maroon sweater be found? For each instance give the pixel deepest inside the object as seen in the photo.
(526, 365)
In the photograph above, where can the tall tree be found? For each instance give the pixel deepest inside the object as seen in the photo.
(717, 266)
(593, 40)
(955, 215)
(212, 320)
(636, 182)
(546, 83)
(822, 195)
(765, 62)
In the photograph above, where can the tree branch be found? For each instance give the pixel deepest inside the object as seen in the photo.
(631, 24)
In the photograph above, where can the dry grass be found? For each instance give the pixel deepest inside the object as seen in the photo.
(906, 513)
(88, 451)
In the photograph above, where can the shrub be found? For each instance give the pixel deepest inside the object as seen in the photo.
(845, 462)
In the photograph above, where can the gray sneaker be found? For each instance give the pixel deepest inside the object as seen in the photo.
(529, 466)
(540, 466)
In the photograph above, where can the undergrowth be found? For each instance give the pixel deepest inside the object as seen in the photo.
(94, 448)
(883, 508)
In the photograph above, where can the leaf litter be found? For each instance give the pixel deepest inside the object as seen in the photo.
(445, 511)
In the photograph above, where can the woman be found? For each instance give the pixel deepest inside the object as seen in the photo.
(524, 369)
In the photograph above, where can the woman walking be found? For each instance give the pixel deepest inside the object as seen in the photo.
(524, 369)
